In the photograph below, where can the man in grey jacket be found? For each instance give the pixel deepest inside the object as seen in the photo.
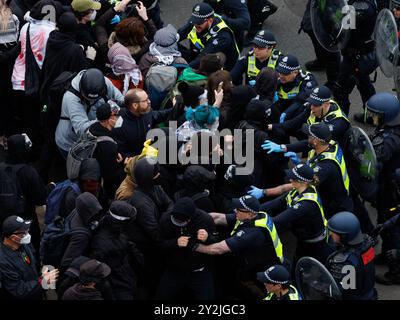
(88, 90)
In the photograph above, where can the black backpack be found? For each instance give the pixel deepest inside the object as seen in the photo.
(12, 201)
(56, 93)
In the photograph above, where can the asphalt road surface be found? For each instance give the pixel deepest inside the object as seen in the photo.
(285, 24)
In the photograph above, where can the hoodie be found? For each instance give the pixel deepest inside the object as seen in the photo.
(63, 53)
(151, 203)
(84, 216)
(69, 131)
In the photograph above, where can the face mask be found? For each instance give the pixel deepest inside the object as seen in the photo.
(93, 15)
(118, 123)
(26, 239)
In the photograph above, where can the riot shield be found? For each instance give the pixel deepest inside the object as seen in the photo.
(386, 42)
(315, 282)
(331, 22)
(361, 163)
(297, 7)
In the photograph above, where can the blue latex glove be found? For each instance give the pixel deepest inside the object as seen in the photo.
(252, 83)
(271, 147)
(116, 19)
(256, 192)
(282, 117)
(276, 97)
(293, 157)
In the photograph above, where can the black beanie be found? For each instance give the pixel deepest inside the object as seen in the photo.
(258, 110)
(190, 94)
(67, 23)
(184, 209)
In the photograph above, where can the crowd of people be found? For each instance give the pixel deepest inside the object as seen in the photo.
(85, 83)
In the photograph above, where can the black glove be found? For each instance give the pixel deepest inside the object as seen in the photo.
(392, 255)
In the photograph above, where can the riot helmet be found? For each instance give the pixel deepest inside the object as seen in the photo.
(93, 85)
(384, 108)
(347, 226)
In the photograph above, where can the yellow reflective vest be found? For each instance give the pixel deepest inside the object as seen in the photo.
(266, 223)
(253, 71)
(293, 294)
(293, 197)
(282, 95)
(198, 44)
(338, 113)
(335, 156)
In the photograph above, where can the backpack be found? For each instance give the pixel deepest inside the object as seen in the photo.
(55, 197)
(160, 80)
(56, 93)
(55, 240)
(12, 201)
(81, 150)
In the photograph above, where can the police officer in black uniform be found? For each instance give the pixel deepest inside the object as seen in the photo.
(208, 33)
(235, 14)
(358, 57)
(320, 108)
(302, 212)
(263, 55)
(254, 240)
(384, 109)
(276, 280)
(294, 87)
(352, 264)
(325, 59)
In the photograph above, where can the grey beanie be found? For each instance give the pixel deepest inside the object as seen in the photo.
(166, 36)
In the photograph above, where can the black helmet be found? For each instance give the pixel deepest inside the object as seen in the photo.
(387, 106)
(347, 226)
(93, 85)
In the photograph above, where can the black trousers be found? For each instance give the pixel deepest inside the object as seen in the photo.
(200, 283)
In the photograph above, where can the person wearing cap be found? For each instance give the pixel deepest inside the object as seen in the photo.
(235, 13)
(89, 89)
(263, 55)
(92, 275)
(302, 212)
(110, 244)
(20, 278)
(208, 33)
(254, 240)
(294, 87)
(186, 270)
(355, 252)
(106, 151)
(320, 108)
(276, 280)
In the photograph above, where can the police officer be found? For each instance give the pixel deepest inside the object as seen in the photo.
(325, 59)
(263, 55)
(326, 158)
(276, 280)
(358, 57)
(208, 33)
(234, 13)
(384, 109)
(254, 239)
(301, 211)
(320, 108)
(294, 87)
(352, 264)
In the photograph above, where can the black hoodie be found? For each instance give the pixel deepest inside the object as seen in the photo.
(87, 211)
(62, 54)
(151, 203)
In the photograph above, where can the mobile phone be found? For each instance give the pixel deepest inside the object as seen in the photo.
(220, 85)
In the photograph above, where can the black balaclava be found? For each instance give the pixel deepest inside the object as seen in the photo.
(18, 150)
(67, 24)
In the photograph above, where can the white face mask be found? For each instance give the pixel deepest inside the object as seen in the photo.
(118, 123)
(26, 239)
(93, 15)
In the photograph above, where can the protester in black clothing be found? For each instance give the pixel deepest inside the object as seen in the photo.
(20, 279)
(110, 244)
(185, 269)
